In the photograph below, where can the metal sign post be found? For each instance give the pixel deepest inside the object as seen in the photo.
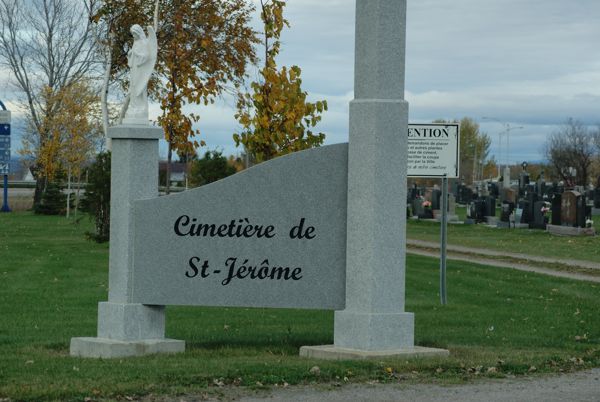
(4, 153)
(443, 240)
(433, 151)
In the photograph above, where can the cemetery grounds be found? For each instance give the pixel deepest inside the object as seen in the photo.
(499, 323)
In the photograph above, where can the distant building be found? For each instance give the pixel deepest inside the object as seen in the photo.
(178, 173)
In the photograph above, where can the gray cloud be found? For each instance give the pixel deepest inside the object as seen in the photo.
(531, 63)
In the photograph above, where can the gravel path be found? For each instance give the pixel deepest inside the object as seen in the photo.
(458, 253)
(494, 253)
(581, 386)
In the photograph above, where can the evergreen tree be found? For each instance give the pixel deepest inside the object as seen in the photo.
(212, 167)
(97, 197)
(52, 202)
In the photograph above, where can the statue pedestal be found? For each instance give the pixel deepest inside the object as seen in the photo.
(126, 328)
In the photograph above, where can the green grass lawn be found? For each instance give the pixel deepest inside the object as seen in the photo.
(526, 241)
(498, 322)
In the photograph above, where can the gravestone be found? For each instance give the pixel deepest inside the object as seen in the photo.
(510, 195)
(523, 181)
(414, 192)
(526, 214)
(489, 206)
(435, 198)
(583, 212)
(417, 207)
(465, 195)
(493, 189)
(476, 211)
(539, 217)
(556, 209)
(541, 188)
(451, 205)
(568, 210)
(507, 209)
(518, 215)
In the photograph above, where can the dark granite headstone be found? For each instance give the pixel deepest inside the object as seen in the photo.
(582, 212)
(417, 207)
(556, 208)
(541, 187)
(523, 182)
(465, 195)
(493, 189)
(506, 209)
(436, 195)
(526, 215)
(476, 210)
(539, 217)
(597, 197)
(413, 193)
(490, 206)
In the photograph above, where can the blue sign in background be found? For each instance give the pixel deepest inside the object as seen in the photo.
(4, 129)
(4, 154)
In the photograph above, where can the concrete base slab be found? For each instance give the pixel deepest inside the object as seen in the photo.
(330, 352)
(110, 348)
(570, 231)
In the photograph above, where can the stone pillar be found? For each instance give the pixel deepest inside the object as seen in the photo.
(374, 323)
(126, 328)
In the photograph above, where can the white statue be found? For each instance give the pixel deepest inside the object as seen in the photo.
(141, 60)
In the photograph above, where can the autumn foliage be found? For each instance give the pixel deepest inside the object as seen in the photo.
(70, 131)
(204, 49)
(276, 118)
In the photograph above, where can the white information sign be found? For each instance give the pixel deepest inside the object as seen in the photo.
(433, 150)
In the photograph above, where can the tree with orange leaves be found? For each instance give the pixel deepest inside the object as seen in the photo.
(72, 133)
(204, 49)
(276, 118)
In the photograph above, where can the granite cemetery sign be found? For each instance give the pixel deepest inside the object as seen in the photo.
(323, 228)
(272, 239)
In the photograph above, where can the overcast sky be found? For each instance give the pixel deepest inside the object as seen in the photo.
(528, 63)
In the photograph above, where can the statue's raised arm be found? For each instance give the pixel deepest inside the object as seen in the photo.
(141, 60)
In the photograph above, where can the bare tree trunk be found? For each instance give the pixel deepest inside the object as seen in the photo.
(78, 192)
(123, 110)
(104, 95)
(68, 192)
(168, 172)
(156, 9)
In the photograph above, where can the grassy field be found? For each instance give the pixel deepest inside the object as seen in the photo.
(499, 322)
(526, 241)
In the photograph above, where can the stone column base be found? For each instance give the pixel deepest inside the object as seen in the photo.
(130, 321)
(373, 331)
(331, 352)
(127, 329)
(110, 348)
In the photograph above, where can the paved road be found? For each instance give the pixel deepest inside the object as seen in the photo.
(582, 386)
(20, 192)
